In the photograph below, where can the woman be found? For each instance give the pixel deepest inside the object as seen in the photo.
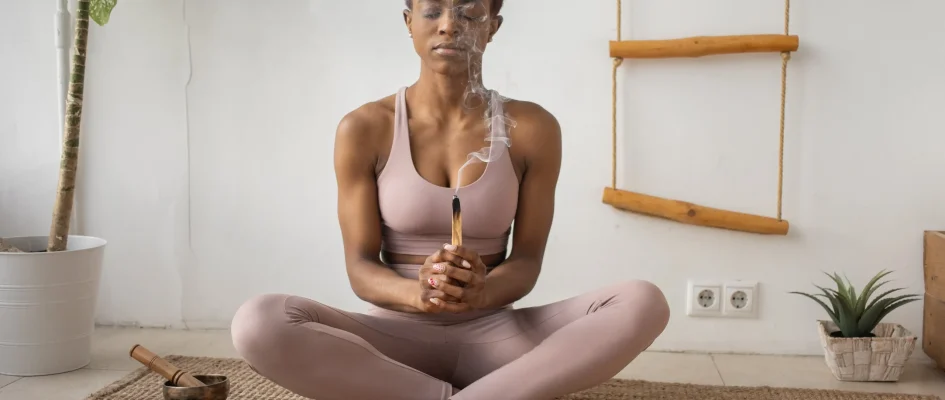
(443, 325)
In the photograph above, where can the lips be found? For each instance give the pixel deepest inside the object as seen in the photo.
(449, 49)
(449, 46)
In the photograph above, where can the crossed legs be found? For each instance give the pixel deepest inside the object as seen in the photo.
(563, 347)
(533, 353)
(319, 352)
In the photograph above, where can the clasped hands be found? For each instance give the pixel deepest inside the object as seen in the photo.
(452, 280)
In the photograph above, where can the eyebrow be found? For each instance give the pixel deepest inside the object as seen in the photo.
(461, 2)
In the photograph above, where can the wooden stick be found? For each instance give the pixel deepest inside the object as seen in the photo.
(457, 239)
(693, 214)
(457, 223)
(172, 373)
(699, 46)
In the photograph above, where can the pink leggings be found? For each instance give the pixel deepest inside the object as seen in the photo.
(537, 353)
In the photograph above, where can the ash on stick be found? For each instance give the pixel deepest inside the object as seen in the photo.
(457, 222)
(457, 232)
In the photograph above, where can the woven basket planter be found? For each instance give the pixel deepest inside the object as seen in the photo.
(870, 359)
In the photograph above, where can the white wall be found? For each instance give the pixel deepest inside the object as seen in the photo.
(209, 126)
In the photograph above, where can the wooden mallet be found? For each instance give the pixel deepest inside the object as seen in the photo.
(172, 373)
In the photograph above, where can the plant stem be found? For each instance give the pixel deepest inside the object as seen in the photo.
(65, 194)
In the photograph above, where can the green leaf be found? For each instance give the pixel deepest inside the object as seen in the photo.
(843, 296)
(868, 290)
(851, 291)
(832, 292)
(101, 10)
(871, 316)
(876, 313)
(870, 294)
(848, 322)
(896, 305)
(830, 312)
(832, 297)
(840, 286)
(850, 311)
(880, 297)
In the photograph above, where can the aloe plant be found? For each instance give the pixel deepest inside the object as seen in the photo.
(99, 11)
(856, 314)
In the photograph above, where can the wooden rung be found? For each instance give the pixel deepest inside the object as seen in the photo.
(703, 46)
(693, 214)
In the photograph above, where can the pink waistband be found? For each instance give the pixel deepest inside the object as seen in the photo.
(411, 271)
(425, 245)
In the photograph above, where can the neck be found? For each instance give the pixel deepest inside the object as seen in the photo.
(449, 96)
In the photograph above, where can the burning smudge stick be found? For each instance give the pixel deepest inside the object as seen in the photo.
(457, 232)
(457, 222)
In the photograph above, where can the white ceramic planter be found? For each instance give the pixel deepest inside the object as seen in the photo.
(47, 305)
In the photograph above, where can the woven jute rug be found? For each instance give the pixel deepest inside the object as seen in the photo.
(245, 384)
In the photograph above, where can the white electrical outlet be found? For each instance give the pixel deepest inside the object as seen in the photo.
(704, 299)
(740, 299)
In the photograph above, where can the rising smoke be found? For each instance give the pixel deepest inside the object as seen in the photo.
(497, 122)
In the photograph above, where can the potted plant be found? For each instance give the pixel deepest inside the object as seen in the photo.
(857, 345)
(50, 283)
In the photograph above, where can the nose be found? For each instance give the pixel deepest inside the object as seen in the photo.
(448, 24)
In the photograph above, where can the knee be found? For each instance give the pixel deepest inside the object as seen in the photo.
(647, 302)
(256, 325)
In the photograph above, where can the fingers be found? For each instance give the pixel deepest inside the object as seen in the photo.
(446, 256)
(429, 271)
(441, 282)
(433, 291)
(443, 296)
(463, 252)
(434, 296)
(449, 270)
(468, 258)
(437, 301)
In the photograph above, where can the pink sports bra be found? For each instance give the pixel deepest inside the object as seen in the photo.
(416, 215)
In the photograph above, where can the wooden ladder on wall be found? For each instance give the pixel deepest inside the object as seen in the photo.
(681, 211)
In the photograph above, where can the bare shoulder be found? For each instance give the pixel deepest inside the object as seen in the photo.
(367, 123)
(367, 131)
(535, 130)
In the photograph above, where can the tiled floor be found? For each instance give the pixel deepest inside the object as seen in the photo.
(110, 362)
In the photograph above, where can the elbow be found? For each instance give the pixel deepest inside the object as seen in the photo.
(533, 265)
(526, 268)
(357, 280)
(361, 288)
(531, 276)
(359, 291)
(364, 292)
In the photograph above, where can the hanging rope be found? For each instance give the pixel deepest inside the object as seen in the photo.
(617, 62)
(619, 16)
(613, 166)
(785, 56)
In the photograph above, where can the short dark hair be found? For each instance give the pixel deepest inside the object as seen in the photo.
(496, 6)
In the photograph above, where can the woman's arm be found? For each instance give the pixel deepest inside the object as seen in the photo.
(537, 137)
(355, 158)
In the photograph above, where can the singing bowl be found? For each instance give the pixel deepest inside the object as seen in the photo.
(218, 388)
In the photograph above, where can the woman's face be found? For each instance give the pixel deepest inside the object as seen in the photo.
(451, 35)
